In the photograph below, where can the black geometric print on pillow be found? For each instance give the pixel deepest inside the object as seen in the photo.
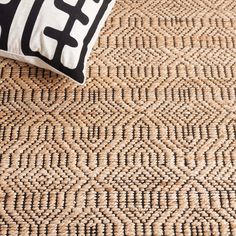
(7, 12)
(63, 38)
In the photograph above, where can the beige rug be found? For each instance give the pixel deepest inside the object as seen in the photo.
(146, 147)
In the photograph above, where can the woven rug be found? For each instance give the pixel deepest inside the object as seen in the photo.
(146, 147)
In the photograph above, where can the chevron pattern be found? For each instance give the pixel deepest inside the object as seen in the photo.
(146, 147)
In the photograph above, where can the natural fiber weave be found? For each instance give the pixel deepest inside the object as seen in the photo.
(146, 147)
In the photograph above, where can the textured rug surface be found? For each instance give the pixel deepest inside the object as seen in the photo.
(146, 147)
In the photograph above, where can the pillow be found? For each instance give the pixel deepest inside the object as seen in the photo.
(52, 34)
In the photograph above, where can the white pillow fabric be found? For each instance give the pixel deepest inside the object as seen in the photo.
(52, 34)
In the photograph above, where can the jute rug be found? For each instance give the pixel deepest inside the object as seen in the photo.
(146, 147)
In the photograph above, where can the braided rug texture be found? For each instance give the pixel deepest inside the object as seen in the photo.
(146, 147)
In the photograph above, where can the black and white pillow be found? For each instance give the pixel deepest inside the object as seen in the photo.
(52, 34)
